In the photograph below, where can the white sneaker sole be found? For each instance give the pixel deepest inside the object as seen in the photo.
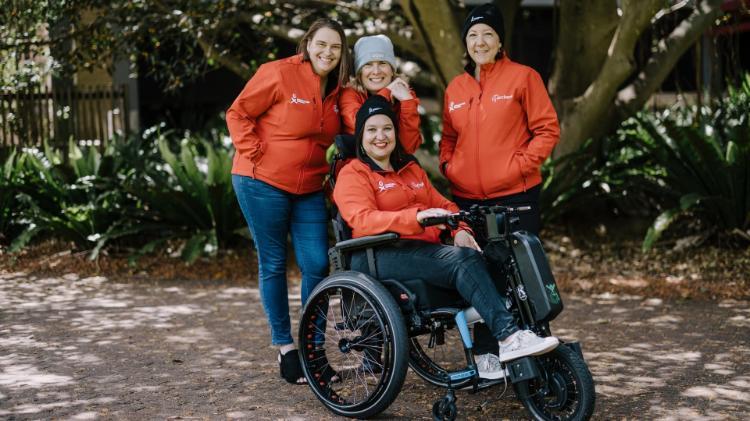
(547, 345)
(492, 375)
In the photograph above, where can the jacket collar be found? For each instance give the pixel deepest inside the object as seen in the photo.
(398, 164)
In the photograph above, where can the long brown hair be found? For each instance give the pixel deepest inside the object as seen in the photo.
(342, 72)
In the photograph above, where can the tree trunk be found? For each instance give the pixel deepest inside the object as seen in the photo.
(634, 96)
(586, 30)
(508, 8)
(435, 23)
(588, 114)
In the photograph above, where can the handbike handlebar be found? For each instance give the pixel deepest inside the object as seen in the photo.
(474, 213)
(451, 220)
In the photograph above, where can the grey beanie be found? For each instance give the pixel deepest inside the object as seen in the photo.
(373, 48)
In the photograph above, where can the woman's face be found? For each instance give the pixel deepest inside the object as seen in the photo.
(324, 49)
(376, 75)
(482, 43)
(379, 137)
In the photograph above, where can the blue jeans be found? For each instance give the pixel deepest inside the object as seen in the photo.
(272, 214)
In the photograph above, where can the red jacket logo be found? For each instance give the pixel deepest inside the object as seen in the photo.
(385, 186)
(496, 97)
(296, 100)
(453, 107)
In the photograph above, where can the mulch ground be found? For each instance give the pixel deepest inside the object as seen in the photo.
(704, 273)
(665, 335)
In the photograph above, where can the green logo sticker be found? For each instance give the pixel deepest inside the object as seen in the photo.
(554, 297)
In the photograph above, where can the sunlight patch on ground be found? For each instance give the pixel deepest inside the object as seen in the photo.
(683, 413)
(42, 407)
(190, 336)
(23, 376)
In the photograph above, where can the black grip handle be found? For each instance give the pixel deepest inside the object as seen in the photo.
(434, 220)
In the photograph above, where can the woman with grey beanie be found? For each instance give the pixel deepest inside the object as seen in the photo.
(375, 68)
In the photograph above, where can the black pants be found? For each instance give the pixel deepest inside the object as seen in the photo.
(447, 267)
(530, 221)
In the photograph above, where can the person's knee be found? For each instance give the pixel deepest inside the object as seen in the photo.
(468, 256)
(315, 264)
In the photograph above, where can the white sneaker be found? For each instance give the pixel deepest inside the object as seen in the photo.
(488, 366)
(524, 343)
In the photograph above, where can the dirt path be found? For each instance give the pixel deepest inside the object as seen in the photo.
(97, 349)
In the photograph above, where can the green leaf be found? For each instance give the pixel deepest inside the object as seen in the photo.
(194, 247)
(23, 239)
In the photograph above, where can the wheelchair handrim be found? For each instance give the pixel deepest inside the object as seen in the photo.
(326, 390)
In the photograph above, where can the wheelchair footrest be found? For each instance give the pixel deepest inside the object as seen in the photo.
(460, 375)
(522, 369)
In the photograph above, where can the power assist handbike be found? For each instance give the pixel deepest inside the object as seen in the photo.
(358, 333)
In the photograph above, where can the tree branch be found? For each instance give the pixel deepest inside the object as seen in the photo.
(619, 64)
(632, 98)
(231, 62)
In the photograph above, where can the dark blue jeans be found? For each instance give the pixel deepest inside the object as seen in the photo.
(449, 267)
(272, 215)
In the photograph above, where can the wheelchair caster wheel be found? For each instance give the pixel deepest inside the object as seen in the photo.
(444, 410)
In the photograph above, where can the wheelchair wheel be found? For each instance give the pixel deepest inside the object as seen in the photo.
(354, 345)
(433, 355)
(565, 390)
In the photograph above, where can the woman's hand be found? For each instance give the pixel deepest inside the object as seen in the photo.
(464, 239)
(400, 89)
(432, 212)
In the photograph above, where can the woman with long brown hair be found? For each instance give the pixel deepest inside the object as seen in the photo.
(281, 125)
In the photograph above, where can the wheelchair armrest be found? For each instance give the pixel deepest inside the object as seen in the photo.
(348, 246)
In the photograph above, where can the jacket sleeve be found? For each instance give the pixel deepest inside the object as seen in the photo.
(543, 125)
(437, 200)
(408, 124)
(349, 103)
(258, 95)
(448, 138)
(355, 199)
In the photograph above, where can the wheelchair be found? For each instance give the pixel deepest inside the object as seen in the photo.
(358, 334)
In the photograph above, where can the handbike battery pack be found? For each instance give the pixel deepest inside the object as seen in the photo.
(539, 284)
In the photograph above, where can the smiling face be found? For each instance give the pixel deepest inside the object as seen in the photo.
(324, 49)
(379, 138)
(376, 75)
(482, 43)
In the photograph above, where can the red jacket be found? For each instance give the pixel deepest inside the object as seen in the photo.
(373, 201)
(496, 132)
(406, 111)
(281, 127)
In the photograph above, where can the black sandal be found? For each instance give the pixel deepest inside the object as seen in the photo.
(290, 368)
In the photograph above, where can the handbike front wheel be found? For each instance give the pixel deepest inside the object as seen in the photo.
(564, 390)
(353, 345)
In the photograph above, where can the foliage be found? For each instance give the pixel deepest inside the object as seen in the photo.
(190, 195)
(704, 160)
(9, 185)
(74, 197)
(136, 192)
(677, 162)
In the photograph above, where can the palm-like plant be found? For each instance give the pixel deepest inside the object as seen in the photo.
(703, 158)
(191, 196)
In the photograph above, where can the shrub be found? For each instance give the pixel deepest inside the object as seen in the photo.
(75, 197)
(189, 195)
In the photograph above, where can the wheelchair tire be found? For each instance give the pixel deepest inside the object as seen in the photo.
(565, 390)
(352, 328)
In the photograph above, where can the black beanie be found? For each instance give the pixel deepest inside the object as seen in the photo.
(487, 14)
(374, 105)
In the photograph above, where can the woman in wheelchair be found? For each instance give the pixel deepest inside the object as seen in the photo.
(385, 190)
